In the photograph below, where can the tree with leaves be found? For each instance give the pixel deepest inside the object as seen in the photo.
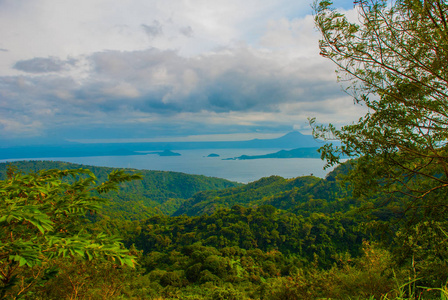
(394, 59)
(43, 217)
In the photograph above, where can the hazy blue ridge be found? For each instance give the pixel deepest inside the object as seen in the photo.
(291, 140)
(67, 150)
(310, 152)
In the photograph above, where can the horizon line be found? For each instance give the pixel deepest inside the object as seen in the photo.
(224, 137)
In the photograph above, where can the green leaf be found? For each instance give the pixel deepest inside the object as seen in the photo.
(22, 261)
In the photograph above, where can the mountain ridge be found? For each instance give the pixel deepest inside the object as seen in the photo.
(290, 140)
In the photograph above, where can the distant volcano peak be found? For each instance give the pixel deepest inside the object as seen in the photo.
(292, 134)
(293, 139)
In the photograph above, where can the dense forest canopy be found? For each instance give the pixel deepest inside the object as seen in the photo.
(303, 237)
(157, 192)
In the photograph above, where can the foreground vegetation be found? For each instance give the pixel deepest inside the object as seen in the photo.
(301, 238)
(156, 192)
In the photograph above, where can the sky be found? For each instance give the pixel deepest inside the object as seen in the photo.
(128, 70)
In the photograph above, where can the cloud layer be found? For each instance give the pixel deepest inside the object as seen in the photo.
(162, 69)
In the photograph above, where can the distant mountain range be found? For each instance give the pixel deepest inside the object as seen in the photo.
(291, 140)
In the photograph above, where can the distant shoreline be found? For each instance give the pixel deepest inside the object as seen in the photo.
(306, 152)
(292, 140)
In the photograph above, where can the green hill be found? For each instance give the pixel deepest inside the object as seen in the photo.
(157, 192)
(279, 192)
(306, 237)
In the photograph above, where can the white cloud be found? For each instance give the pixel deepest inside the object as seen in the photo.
(196, 65)
(43, 28)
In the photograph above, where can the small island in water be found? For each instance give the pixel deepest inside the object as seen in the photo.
(166, 153)
(213, 155)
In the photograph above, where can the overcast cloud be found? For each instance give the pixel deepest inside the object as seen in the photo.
(98, 69)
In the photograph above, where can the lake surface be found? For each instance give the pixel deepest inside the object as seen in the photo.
(197, 162)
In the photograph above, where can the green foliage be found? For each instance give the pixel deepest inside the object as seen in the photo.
(81, 279)
(424, 248)
(262, 229)
(256, 193)
(157, 192)
(43, 218)
(368, 276)
(394, 58)
(226, 293)
(296, 238)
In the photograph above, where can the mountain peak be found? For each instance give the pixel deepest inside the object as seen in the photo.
(291, 140)
(293, 134)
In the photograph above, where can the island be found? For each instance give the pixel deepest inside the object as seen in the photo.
(166, 153)
(308, 152)
(213, 155)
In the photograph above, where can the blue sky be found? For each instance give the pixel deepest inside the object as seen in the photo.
(91, 70)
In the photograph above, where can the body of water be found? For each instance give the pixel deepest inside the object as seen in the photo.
(197, 162)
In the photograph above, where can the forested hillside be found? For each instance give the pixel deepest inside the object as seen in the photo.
(287, 194)
(250, 195)
(274, 238)
(157, 192)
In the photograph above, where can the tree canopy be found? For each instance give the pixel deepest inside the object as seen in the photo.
(43, 217)
(393, 58)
